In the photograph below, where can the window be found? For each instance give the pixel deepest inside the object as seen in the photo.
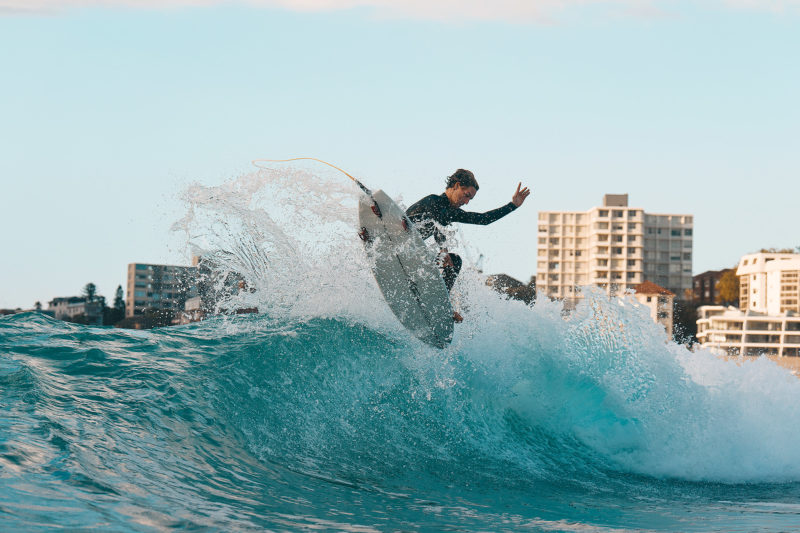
(603, 212)
(618, 213)
(676, 233)
(649, 298)
(687, 231)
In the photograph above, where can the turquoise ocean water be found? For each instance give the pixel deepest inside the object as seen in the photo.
(321, 413)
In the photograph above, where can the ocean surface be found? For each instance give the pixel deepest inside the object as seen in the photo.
(321, 413)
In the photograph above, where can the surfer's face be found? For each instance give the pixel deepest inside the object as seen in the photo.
(460, 195)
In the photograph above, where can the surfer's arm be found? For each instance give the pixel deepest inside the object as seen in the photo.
(467, 217)
(495, 214)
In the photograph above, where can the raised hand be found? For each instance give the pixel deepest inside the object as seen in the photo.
(520, 195)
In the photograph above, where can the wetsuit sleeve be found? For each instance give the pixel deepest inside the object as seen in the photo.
(466, 217)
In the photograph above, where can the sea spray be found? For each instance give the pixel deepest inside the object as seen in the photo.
(291, 235)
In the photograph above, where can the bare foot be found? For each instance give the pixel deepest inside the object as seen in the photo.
(457, 317)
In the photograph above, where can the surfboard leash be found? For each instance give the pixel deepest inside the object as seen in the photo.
(375, 208)
(360, 185)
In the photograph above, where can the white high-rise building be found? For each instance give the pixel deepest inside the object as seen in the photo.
(768, 282)
(615, 247)
(767, 322)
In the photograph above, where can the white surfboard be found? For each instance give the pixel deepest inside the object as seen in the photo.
(405, 270)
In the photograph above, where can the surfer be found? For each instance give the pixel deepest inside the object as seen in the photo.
(443, 209)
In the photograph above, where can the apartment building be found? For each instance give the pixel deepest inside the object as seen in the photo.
(768, 319)
(738, 332)
(613, 246)
(69, 307)
(768, 282)
(659, 301)
(159, 287)
(706, 286)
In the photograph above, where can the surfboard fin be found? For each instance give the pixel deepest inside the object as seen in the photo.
(364, 235)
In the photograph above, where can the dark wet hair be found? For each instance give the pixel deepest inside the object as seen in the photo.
(465, 178)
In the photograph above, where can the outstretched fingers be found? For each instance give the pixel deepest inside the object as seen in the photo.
(520, 195)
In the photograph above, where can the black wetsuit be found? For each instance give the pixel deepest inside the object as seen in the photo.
(436, 209)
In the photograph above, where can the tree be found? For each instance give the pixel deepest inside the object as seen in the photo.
(119, 303)
(115, 314)
(38, 306)
(728, 288)
(684, 321)
(89, 291)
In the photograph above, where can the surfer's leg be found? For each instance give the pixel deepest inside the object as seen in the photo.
(450, 273)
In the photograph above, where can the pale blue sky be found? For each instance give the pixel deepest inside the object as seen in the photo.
(107, 113)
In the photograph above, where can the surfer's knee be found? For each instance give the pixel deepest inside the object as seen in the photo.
(456, 259)
(450, 272)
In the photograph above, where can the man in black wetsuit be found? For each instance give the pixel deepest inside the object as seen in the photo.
(444, 209)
